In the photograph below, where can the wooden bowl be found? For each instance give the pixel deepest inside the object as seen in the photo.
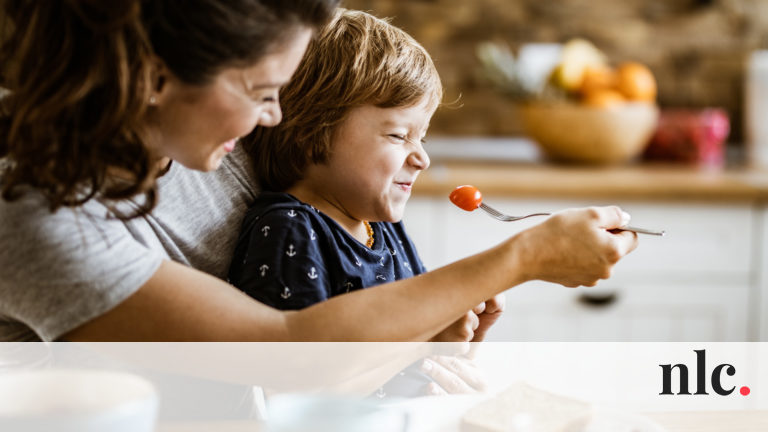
(578, 133)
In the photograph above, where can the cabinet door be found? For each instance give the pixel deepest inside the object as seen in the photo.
(692, 284)
(625, 310)
(699, 237)
(760, 305)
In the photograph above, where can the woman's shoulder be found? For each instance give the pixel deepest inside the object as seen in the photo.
(29, 222)
(79, 261)
(31, 207)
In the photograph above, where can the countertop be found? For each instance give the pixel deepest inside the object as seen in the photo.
(514, 168)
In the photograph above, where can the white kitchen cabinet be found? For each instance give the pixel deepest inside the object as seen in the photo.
(701, 282)
(759, 307)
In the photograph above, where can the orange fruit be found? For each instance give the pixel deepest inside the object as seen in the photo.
(604, 98)
(636, 82)
(597, 78)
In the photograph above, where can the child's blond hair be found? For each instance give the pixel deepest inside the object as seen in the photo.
(355, 60)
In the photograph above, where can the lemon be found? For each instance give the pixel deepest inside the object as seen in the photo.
(576, 57)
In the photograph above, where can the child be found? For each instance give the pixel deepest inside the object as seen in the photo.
(338, 171)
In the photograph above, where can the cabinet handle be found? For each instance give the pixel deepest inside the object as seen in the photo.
(598, 300)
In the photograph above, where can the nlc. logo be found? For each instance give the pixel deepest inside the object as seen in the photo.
(701, 377)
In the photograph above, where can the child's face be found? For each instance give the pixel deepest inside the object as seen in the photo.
(376, 155)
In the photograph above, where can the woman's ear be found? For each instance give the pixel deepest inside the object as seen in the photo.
(159, 75)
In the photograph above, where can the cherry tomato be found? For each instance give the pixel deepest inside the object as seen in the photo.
(466, 197)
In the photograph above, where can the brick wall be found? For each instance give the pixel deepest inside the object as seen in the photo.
(696, 48)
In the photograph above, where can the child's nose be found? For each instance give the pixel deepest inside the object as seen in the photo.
(419, 159)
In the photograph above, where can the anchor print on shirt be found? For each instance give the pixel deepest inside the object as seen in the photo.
(291, 251)
(312, 273)
(286, 293)
(381, 262)
(312, 235)
(265, 229)
(349, 285)
(407, 265)
(393, 252)
(291, 213)
(357, 261)
(263, 269)
(381, 277)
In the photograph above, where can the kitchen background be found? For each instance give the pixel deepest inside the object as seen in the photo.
(698, 49)
(707, 280)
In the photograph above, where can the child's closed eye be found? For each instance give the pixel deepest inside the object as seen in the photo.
(404, 138)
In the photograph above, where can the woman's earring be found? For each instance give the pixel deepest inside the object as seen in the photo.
(152, 100)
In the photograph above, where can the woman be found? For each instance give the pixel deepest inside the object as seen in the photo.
(104, 238)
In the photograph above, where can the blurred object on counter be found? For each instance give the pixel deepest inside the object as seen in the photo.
(756, 109)
(569, 132)
(535, 62)
(690, 136)
(578, 57)
(575, 104)
(523, 77)
(576, 71)
(499, 67)
(524, 408)
(586, 77)
(636, 82)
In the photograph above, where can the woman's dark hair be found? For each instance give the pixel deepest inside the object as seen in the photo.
(79, 75)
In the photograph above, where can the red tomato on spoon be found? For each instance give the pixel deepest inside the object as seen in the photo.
(466, 197)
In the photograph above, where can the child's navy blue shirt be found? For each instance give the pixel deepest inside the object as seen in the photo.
(290, 255)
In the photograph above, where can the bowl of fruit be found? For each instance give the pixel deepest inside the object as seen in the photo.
(589, 111)
(587, 134)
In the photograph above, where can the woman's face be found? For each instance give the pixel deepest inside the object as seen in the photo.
(376, 156)
(198, 125)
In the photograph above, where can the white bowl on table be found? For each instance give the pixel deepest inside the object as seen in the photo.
(69, 400)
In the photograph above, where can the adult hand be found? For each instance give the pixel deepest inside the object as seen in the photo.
(453, 375)
(574, 247)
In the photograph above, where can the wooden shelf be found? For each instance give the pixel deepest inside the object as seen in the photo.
(641, 181)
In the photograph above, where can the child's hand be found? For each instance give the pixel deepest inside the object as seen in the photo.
(473, 325)
(493, 309)
(463, 329)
